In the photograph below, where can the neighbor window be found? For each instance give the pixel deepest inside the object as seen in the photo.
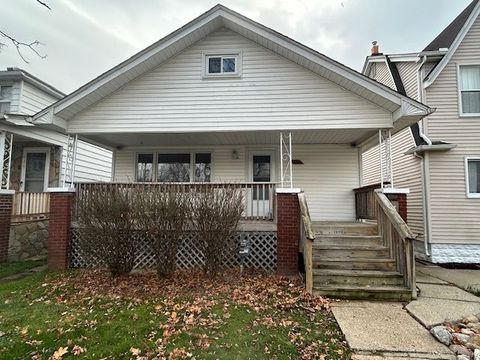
(145, 167)
(473, 177)
(5, 98)
(221, 65)
(470, 89)
(173, 168)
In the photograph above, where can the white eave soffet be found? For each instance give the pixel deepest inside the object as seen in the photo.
(405, 110)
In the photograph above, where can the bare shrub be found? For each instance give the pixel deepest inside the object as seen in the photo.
(107, 223)
(216, 214)
(163, 213)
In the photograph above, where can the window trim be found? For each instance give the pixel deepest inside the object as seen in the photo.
(467, 184)
(7, 101)
(459, 88)
(222, 75)
(192, 154)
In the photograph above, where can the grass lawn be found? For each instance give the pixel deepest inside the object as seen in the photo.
(10, 268)
(88, 315)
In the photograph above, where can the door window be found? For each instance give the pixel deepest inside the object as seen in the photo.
(261, 173)
(35, 167)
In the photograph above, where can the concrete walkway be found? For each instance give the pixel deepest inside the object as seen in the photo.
(381, 330)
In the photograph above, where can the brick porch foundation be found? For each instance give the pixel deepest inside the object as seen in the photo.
(400, 203)
(6, 204)
(61, 205)
(288, 233)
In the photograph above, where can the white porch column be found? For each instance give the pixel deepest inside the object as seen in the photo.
(385, 157)
(286, 174)
(70, 162)
(6, 146)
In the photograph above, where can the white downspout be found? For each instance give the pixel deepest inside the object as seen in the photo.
(424, 160)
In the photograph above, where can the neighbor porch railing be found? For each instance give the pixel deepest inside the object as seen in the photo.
(30, 206)
(258, 197)
(398, 238)
(307, 236)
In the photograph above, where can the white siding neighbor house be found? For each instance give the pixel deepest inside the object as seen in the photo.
(36, 153)
(225, 99)
(438, 159)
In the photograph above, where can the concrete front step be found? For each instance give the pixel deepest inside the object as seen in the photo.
(348, 252)
(355, 264)
(323, 277)
(393, 293)
(345, 228)
(361, 240)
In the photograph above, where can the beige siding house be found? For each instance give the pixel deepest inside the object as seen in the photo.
(439, 159)
(37, 156)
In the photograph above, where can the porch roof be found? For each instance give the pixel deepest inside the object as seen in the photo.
(330, 136)
(219, 16)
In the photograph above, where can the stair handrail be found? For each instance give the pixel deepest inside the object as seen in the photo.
(402, 251)
(307, 235)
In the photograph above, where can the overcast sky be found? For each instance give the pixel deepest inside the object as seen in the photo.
(85, 38)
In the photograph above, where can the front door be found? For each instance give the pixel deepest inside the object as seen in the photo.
(261, 171)
(35, 165)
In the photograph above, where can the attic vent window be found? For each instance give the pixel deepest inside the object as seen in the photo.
(222, 65)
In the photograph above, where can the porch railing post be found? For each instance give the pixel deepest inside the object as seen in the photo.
(6, 146)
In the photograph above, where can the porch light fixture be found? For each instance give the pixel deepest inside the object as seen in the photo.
(234, 154)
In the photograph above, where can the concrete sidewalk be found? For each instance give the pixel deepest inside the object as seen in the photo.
(381, 330)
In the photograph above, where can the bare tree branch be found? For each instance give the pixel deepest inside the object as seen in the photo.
(32, 46)
(44, 4)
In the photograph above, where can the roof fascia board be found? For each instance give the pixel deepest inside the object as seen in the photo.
(311, 55)
(123, 67)
(456, 43)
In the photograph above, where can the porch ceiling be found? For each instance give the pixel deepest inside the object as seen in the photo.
(332, 136)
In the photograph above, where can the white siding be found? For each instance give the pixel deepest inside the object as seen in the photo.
(455, 218)
(328, 175)
(33, 99)
(273, 93)
(381, 73)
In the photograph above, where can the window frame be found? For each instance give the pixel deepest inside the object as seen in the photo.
(7, 101)
(467, 183)
(237, 55)
(460, 91)
(191, 153)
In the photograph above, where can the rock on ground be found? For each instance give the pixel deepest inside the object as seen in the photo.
(442, 334)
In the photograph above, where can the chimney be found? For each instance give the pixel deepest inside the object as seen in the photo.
(375, 48)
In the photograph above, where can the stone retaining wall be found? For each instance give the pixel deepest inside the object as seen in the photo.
(28, 239)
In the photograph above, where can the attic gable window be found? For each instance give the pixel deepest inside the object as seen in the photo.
(469, 84)
(5, 98)
(221, 65)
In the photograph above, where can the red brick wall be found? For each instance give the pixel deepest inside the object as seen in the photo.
(288, 233)
(400, 202)
(6, 202)
(59, 229)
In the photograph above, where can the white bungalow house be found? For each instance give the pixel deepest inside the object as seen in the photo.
(34, 155)
(439, 158)
(217, 101)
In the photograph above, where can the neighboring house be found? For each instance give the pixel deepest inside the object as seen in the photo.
(37, 159)
(439, 158)
(217, 100)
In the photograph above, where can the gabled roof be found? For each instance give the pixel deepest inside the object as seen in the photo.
(215, 18)
(14, 73)
(446, 38)
(451, 38)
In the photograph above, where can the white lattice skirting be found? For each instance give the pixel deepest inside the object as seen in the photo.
(263, 252)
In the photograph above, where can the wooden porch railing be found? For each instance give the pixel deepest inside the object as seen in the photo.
(307, 236)
(365, 201)
(259, 197)
(30, 206)
(396, 236)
